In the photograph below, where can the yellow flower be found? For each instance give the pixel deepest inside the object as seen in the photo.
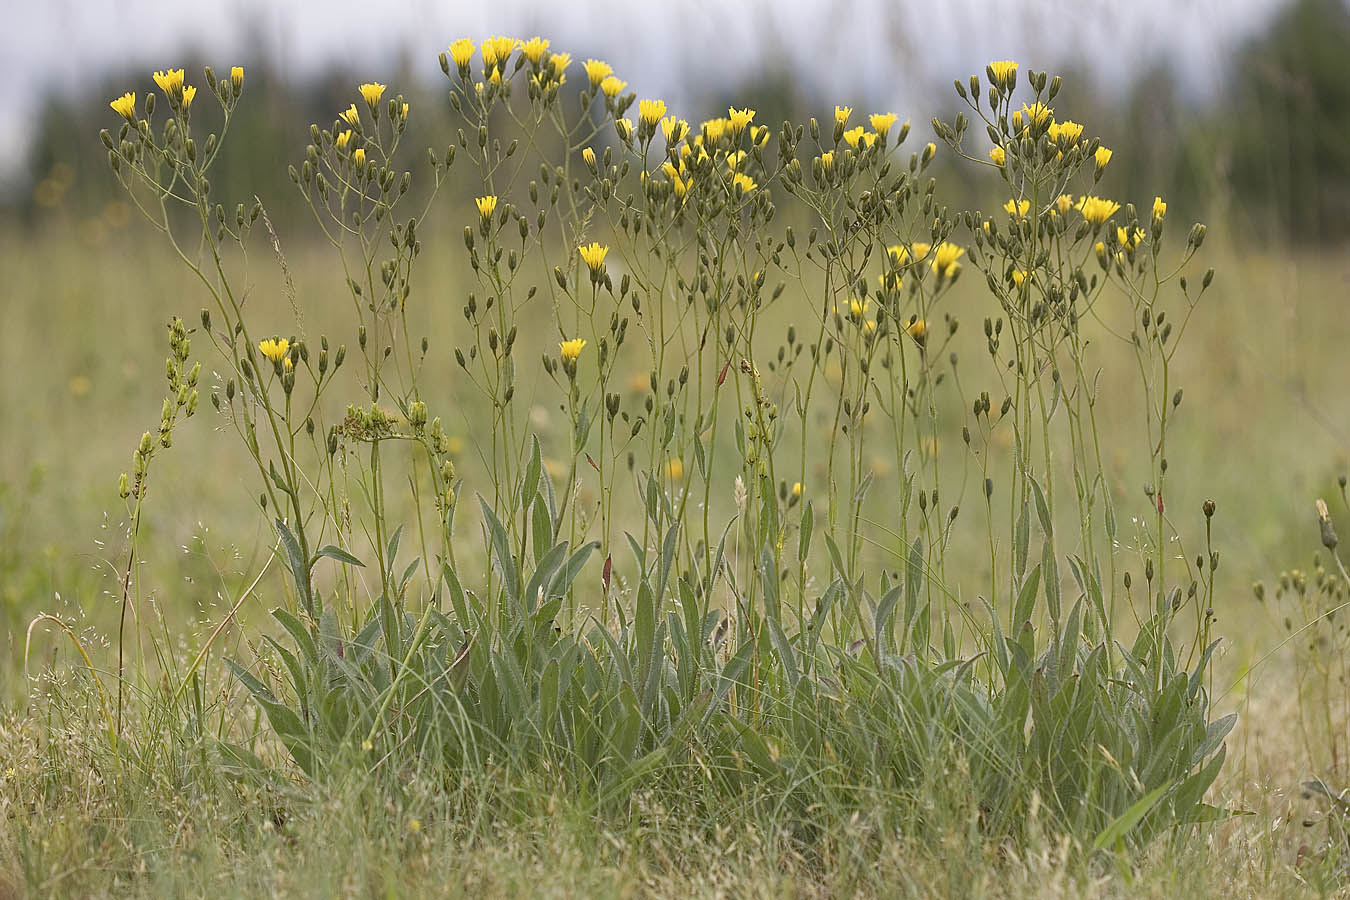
(827, 161)
(1017, 208)
(858, 308)
(796, 488)
(1127, 240)
(188, 93)
(125, 106)
(350, 115)
(589, 155)
(944, 258)
(623, 128)
(559, 62)
(853, 135)
(612, 86)
(1003, 73)
(736, 160)
(343, 139)
(594, 256)
(570, 350)
(534, 49)
(597, 71)
(1019, 276)
(496, 51)
(371, 92)
(882, 122)
(869, 328)
(486, 205)
(360, 156)
(841, 114)
(1159, 209)
(237, 77)
(1037, 113)
(1070, 132)
(1097, 210)
(998, 155)
(1102, 156)
(674, 129)
(743, 182)
(740, 118)
(675, 469)
(1064, 202)
(461, 51)
(918, 329)
(650, 112)
(404, 111)
(274, 349)
(714, 130)
(1100, 249)
(170, 82)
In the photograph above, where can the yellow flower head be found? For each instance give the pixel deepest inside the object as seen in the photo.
(534, 49)
(998, 156)
(1159, 209)
(857, 309)
(189, 92)
(944, 258)
(869, 328)
(714, 130)
(350, 115)
(853, 135)
(796, 488)
(841, 114)
(623, 128)
(1066, 131)
(559, 63)
(598, 71)
(1127, 240)
(275, 349)
(1063, 203)
(125, 106)
(461, 51)
(1037, 113)
(170, 82)
(675, 468)
(898, 253)
(918, 329)
(497, 50)
(1019, 276)
(371, 92)
(674, 129)
(593, 255)
(404, 111)
(1097, 210)
(612, 86)
(343, 139)
(1003, 73)
(882, 122)
(359, 156)
(570, 350)
(736, 160)
(1017, 208)
(740, 118)
(827, 161)
(1102, 156)
(486, 205)
(237, 78)
(743, 182)
(588, 155)
(650, 112)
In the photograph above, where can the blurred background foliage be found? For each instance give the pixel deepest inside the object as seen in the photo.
(1266, 157)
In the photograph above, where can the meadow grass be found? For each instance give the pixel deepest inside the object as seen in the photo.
(735, 685)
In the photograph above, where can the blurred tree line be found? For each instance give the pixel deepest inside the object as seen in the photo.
(1269, 155)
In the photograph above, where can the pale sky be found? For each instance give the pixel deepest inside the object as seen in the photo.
(892, 52)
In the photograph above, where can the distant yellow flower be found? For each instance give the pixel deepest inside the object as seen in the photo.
(853, 135)
(343, 139)
(1097, 210)
(1003, 72)
(623, 128)
(1127, 240)
(275, 349)
(360, 156)
(681, 185)
(858, 308)
(125, 106)
(796, 488)
(1068, 131)
(998, 155)
(882, 122)
(237, 77)
(461, 51)
(1064, 202)
(371, 92)
(593, 255)
(743, 182)
(1100, 249)
(714, 129)
(534, 49)
(598, 71)
(740, 118)
(674, 129)
(1019, 276)
(869, 328)
(827, 161)
(170, 82)
(350, 115)
(841, 114)
(650, 112)
(1102, 156)
(1159, 209)
(944, 258)
(404, 111)
(1017, 208)
(918, 329)
(736, 160)
(612, 86)
(570, 350)
(486, 205)
(559, 63)
(497, 50)
(1037, 113)
(189, 92)
(589, 155)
